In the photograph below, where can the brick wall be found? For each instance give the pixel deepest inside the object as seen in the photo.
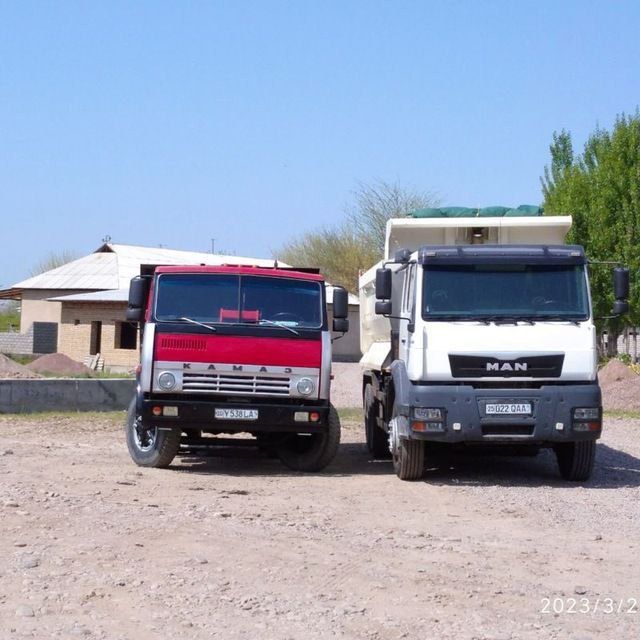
(74, 336)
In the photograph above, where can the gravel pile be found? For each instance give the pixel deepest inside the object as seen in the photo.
(620, 387)
(615, 371)
(11, 369)
(58, 364)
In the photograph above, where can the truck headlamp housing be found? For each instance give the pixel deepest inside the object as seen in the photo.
(586, 413)
(305, 386)
(166, 381)
(428, 413)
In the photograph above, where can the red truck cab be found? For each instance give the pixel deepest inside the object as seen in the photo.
(234, 349)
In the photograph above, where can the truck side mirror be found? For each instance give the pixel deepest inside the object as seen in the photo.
(621, 283)
(340, 325)
(383, 308)
(620, 307)
(383, 284)
(340, 303)
(138, 292)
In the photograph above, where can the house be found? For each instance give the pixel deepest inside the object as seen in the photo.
(79, 308)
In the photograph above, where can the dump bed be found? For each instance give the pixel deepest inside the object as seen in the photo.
(413, 233)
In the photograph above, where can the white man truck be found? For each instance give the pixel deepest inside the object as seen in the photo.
(478, 330)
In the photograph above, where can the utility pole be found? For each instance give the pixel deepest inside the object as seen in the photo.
(213, 245)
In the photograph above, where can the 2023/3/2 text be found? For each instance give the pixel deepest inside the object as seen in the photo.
(590, 606)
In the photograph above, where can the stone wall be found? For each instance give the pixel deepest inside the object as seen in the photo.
(15, 342)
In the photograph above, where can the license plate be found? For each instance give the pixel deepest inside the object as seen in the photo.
(508, 408)
(236, 414)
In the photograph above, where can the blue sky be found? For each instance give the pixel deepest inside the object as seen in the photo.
(170, 124)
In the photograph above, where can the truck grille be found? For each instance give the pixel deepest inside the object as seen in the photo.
(235, 384)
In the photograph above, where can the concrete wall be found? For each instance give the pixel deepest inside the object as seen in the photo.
(54, 394)
(347, 348)
(18, 343)
(74, 335)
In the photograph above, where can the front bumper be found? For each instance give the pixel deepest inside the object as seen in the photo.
(465, 418)
(200, 414)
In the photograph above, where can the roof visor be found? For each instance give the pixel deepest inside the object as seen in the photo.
(502, 254)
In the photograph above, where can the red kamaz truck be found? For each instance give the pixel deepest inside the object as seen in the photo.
(234, 349)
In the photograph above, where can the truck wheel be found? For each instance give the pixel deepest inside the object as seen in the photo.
(575, 459)
(150, 447)
(526, 450)
(407, 455)
(311, 452)
(377, 441)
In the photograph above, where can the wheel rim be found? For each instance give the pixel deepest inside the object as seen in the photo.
(145, 439)
(394, 445)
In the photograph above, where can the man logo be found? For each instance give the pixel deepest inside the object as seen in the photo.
(507, 366)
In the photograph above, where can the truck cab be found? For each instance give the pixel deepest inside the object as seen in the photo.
(482, 332)
(234, 349)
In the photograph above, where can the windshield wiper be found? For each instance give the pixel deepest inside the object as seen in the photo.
(196, 322)
(558, 318)
(509, 319)
(273, 323)
(457, 318)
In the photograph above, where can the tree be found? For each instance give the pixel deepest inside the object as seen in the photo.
(53, 260)
(338, 253)
(377, 202)
(343, 251)
(601, 190)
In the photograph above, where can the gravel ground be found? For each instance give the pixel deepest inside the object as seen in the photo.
(237, 547)
(346, 388)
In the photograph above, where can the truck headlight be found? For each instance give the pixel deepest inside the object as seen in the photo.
(586, 413)
(587, 419)
(166, 381)
(305, 386)
(428, 413)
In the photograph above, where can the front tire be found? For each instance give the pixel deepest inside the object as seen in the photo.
(311, 452)
(150, 447)
(407, 455)
(576, 459)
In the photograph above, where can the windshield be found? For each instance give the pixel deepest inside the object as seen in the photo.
(489, 292)
(233, 299)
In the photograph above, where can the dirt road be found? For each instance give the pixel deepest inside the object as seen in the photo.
(238, 547)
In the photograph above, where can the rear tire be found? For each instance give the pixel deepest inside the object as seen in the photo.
(150, 447)
(377, 441)
(576, 459)
(302, 452)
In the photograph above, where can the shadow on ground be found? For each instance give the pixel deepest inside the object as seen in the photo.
(614, 468)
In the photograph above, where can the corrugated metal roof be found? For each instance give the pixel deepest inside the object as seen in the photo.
(110, 269)
(113, 265)
(111, 295)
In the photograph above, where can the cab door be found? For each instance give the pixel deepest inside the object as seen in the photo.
(407, 313)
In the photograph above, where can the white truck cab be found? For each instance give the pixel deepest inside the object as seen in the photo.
(480, 330)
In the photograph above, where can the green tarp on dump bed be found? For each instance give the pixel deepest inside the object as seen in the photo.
(469, 212)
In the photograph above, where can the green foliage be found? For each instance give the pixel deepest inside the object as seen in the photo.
(337, 252)
(53, 260)
(343, 251)
(10, 321)
(601, 190)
